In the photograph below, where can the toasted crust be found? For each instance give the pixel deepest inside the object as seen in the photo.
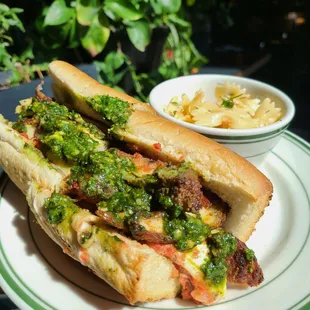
(230, 176)
(134, 270)
(77, 81)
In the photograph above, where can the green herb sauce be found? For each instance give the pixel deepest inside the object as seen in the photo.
(172, 208)
(86, 236)
(249, 254)
(67, 144)
(112, 109)
(127, 203)
(187, 232)
(113, 181)
(20, 127)
(101, 175)
(64, 135)
(171, 172)
(221, 244)
(215, 270)
(59, 208)
(103, 178)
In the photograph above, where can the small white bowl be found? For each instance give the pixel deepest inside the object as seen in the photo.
(254, 144)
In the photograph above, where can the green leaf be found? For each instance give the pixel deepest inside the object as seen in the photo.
(190, 2)
(55, 37)
(177, 20)
(16, 22)
(58, 13)
(27, 53)
(5, 58)
(17, 10)
(170, 6)
(199, 61)
(110, 14)
(115, 60)
(39, 24)
(97, 35)
(74, 40)
(179, 54)
(42, 66)
(16, 76)
(158, 9)
(86, 10)
(174, 33)
(119, 76)
(107, 69)
(139, 33)
(4, 7)
(123, 8)
(12, 22)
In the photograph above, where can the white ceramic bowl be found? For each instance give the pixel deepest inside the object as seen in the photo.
(254, 144)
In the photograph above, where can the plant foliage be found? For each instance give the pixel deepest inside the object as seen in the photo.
(97, 29)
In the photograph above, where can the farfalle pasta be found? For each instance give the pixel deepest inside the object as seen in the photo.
(234, 108)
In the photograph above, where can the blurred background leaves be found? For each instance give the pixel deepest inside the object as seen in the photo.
(158, 40)
(133, 43)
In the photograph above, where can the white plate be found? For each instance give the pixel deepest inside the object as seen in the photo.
(37, 275)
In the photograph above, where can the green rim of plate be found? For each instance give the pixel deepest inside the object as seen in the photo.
(26, 294)
(20, 289)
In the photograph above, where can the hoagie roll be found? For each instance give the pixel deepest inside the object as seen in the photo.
(158, 209)
(236, 181)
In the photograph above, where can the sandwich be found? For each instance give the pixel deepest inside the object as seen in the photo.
(155, 210)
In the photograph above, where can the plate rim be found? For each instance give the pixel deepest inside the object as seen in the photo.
(10, 286)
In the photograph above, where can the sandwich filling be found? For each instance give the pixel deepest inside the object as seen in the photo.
(157, 203)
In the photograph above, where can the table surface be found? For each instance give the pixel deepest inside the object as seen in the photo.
(10, 97)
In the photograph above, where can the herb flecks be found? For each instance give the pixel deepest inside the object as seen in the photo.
(228, 102)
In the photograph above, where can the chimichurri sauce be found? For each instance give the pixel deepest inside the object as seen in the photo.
(186, 230)
(59, 207)
(63, 134)
(113, 110)
(221, 245)
(114, 183)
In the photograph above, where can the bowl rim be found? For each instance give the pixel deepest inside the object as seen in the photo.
(222, 132)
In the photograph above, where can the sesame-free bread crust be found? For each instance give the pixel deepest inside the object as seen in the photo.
(77, 82)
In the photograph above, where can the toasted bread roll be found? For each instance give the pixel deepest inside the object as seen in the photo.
(80, 83)
(23, 163)
(134, 270)
(232, 178)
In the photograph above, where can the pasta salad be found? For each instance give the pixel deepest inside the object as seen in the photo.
(234, 108)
